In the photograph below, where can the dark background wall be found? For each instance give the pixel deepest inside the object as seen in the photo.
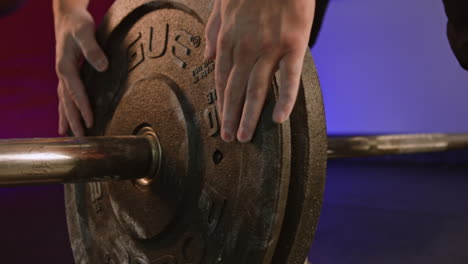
(385, 66)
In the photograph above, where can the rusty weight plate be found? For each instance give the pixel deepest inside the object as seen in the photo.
(211, 202)
(308, 170)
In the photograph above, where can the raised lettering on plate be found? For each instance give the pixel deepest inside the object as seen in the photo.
(135, 53)
(157, 46)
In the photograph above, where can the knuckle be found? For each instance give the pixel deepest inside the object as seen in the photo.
(220, 79)
(209, 28)
(59, 93)
(289, 41)
(73, 94)
(82, 32)
(231, 95)
(266, 44)
(224, 41)
(288, 97)
(254, 94)
(220, 84)
(78, 30)
(62, 67)
(245, 46)
(234, 96)
(92, 54)
(67, 105)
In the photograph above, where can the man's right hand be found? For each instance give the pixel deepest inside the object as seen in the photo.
(75, 39)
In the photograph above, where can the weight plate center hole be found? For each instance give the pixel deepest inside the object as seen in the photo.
(146, 130)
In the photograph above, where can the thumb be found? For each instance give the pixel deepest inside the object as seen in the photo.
(86, 40)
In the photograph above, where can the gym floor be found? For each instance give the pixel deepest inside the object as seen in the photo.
(374, 212)
(387, 212)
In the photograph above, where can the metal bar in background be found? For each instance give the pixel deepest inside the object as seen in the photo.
(378, 145)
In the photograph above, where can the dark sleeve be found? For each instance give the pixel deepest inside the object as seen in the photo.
(320, 9)
(7, 7)
(457, 29)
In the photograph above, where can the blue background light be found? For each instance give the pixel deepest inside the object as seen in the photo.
(386, 66)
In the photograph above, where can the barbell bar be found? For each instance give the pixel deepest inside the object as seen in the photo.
(89, 159)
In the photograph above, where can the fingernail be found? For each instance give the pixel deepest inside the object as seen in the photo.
(280, 117)
(88, 124)
(243, 136)
(102, 65)
(227, 136)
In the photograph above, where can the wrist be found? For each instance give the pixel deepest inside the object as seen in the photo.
(61, 7)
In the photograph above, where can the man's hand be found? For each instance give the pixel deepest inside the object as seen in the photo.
(75, 38)
(250, 41)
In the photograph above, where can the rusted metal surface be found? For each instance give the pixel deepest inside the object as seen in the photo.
(65, 160)
(212, 202)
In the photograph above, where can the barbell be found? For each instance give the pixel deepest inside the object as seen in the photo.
(154, 183)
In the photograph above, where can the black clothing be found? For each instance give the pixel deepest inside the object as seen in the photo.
(320, 8)
(457, 29)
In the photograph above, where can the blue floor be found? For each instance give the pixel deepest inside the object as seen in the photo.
(393, 212)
